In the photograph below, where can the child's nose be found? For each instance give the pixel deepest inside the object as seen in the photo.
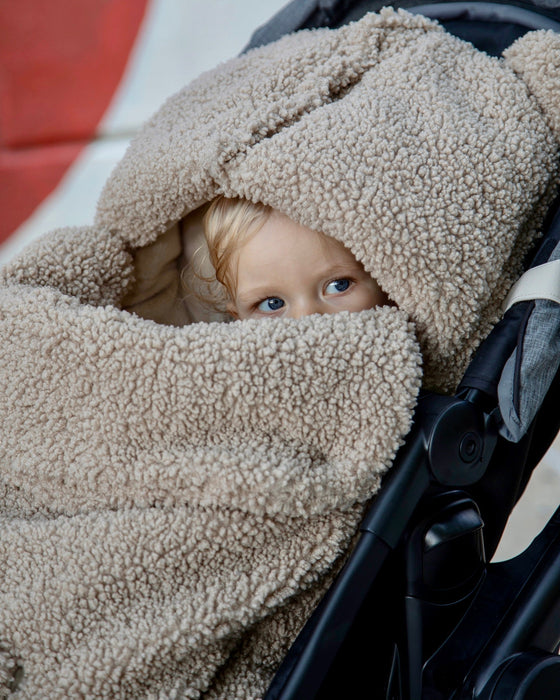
(306, 307)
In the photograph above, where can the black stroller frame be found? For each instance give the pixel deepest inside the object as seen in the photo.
(417, 613)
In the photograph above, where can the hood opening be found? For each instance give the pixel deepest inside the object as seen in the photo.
(163, 290)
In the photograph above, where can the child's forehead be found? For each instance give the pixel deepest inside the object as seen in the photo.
(283, 248)
(284, 235)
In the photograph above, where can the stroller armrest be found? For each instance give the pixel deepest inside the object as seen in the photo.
(451, 444)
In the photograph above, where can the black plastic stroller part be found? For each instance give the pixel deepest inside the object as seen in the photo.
(417, 613)
(490, 26)
(417, 600)
(528, 676)
(504, 648)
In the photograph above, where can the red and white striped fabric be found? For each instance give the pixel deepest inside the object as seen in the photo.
(76, 81)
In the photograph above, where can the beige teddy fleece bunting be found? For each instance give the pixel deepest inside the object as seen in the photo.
(176, 492)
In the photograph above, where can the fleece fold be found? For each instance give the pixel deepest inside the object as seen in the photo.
(170, 495)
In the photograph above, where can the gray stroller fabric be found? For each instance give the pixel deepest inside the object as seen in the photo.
(529, 371)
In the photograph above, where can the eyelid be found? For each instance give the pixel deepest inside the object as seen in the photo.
(256, 307)
(347, 278)
(259, 301)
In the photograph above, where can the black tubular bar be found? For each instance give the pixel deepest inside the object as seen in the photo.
(530, 621)
(324, 634)
(339, 611)
(404, 486)
(516, 609)
(527, 18)
(461, 18)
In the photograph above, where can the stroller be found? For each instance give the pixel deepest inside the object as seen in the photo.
(454, 626)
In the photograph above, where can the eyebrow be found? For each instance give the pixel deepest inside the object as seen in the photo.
(255, 292)
(341, 269)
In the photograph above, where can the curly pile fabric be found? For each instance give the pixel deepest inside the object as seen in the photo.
(176, 496)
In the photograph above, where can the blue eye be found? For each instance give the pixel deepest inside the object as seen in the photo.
(337, 286)
(270, 304)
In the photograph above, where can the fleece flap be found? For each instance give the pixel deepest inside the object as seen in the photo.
(165, 489)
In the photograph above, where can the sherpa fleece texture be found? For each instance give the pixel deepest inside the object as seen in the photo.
(166, 491)
(430, 160)
(174, 500)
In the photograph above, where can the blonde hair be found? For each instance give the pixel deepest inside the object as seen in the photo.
(227, 225)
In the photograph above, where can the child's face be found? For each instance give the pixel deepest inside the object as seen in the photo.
(288, 270)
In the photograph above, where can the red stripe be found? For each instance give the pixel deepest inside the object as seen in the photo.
(27, 176)
(61, 63)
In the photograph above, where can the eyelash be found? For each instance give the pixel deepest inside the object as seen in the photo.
(342, 279)
(255, 306)
(335, 279)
